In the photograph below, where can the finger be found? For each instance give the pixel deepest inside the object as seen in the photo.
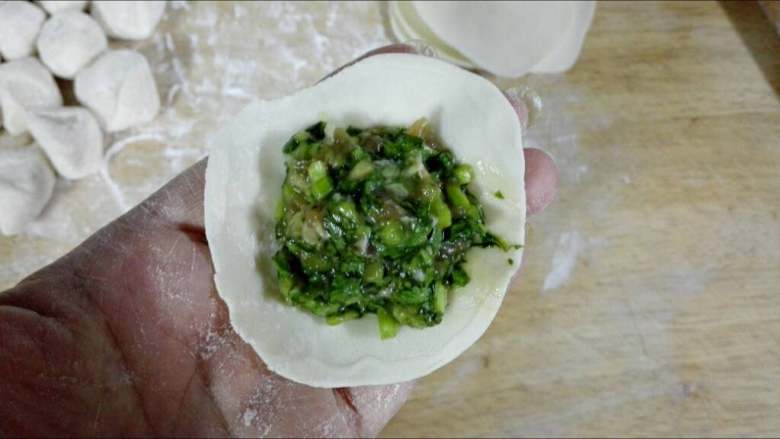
(178, 203)
(541, 179)
(519, 106)
(376, 405)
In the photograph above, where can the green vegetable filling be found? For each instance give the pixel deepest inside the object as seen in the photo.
(375, 220)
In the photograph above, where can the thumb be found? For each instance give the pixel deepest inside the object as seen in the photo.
(374, 406)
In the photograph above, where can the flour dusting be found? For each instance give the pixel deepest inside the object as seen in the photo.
(564, 260)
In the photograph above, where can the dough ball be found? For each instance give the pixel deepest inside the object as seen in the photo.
(71, 137)
(119, 88)
(24, 84)
(26, 184)
(68, 41)
(10, 141)
(19, 26)
(128, 20)
(54, 6)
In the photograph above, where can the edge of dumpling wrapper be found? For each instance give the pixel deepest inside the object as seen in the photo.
(243, 182)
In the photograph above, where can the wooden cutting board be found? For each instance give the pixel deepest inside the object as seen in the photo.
(650, 300)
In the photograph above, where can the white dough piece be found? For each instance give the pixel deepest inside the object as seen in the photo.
(504, 38)
(68, 41)
(19, 25)
(10, 141)
(406, 25)
(26, 184)
(243, 184)
(71, 137)
(128, 20)
(119, 88)
(55, 6)
(24, 84)
(564, 56)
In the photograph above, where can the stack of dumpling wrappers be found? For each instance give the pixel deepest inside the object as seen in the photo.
(507, 39)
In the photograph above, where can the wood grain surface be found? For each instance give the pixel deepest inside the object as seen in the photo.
(649, 304)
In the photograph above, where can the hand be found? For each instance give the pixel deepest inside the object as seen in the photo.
(126, 335)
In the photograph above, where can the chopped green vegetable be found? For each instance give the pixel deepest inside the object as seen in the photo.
(375, 221)
(463, 174)
(388, 325)
(499, 195)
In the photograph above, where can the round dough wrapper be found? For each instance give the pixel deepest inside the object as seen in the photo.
(406, 25)
(564, 56)
(243, 184)
(504, 38)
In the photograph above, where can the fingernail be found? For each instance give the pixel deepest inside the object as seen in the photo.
(422, 48)
(527, 103)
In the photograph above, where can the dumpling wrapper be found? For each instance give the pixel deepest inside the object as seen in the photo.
(564, 56)
(243, 184)
(406, 25)
(505, 38)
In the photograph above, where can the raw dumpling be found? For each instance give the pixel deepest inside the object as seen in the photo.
(129, 20)
(24, 84)
(26, 184)
(243, 184)
(68, 41)
(71, 138)
(120, 89)
(19, 26)
(54, 6)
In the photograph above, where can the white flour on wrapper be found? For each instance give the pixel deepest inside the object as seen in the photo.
(243, 183)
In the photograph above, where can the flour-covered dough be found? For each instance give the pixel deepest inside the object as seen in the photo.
(68, 41)
(406, 25)
(26, 184)
(243, 184)
(565, 54)
(19, 25)
(55, 6)
(129, 20)
(24, 84)
(504, 38)
(71, 137)
(120, 89)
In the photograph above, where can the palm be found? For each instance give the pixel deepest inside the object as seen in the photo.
(140, 335)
